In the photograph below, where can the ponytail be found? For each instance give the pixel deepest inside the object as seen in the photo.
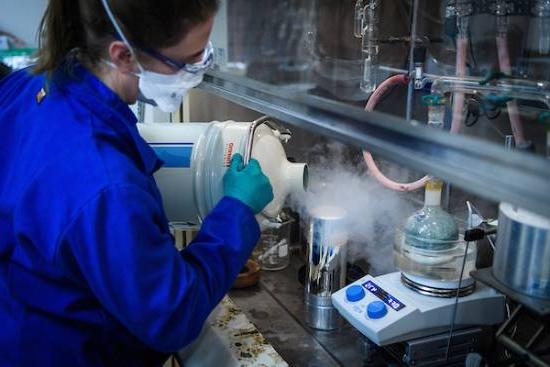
(60, 31)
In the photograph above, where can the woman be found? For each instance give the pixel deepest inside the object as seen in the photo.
(89, 275)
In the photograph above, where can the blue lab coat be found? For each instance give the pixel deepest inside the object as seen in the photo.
(89, 275)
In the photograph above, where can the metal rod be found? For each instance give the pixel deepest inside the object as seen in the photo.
(250, 140)
(392, 69)
(455, 307)
(504, 326)
(410, 91)
(518, 349)
(535, 337)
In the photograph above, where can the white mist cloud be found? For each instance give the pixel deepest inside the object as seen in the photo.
(374, 212)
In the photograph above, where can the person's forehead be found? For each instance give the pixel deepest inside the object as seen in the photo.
(193, 43)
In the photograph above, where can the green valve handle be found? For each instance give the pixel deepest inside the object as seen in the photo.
(434, 100)
(497, 101)
(544, 117)
(494, 75)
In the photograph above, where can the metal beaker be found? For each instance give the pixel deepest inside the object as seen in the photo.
(326, 267)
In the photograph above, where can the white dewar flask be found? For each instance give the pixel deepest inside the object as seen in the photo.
(197, 155)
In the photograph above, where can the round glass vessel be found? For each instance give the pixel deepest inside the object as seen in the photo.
(430, 252)
(436, 263)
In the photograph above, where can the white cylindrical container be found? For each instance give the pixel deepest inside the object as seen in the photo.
(522, 254)
(197, 155)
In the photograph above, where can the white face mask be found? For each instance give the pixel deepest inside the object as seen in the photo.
(165, 90)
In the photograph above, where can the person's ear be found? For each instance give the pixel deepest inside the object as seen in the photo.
(122, 57)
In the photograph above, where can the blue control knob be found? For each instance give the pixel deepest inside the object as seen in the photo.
(376, 310)
(355, 293)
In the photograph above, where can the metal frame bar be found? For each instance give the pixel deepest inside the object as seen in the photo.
(477, 166)
(516, 348)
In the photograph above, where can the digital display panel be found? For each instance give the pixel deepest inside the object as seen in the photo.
(384, 296)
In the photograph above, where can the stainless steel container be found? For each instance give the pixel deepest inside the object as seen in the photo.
(326, 268)
(522, 256)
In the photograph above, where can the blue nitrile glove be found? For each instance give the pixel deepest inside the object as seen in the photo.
(247, 184)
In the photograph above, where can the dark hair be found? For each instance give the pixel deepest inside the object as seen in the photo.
(4, 70)
(84, 24)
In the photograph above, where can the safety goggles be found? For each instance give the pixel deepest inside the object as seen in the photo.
(203, 64)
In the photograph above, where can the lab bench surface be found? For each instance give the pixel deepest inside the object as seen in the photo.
(276, 307)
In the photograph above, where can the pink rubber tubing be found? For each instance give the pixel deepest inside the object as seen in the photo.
(458, 115)
(369, 160)
(513, 112)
